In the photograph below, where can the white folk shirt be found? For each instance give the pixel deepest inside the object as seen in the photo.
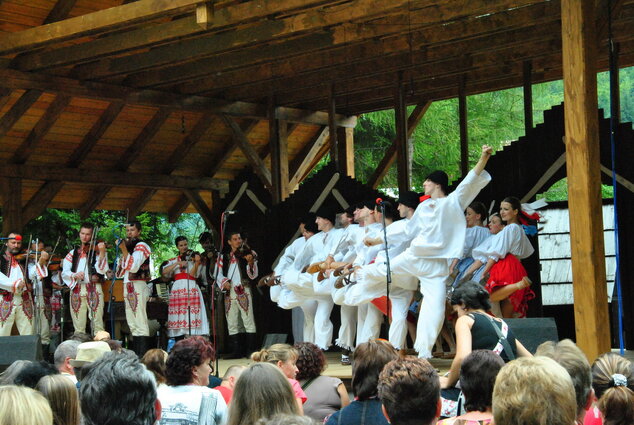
(10, 283)
(70, 278)
(511, 240)
(188, 269)
(288, 257)
(233, 272)
(36, 274)
(133, 261)
(474, 237)
(347, 249)
(439, 224)
(398, 239)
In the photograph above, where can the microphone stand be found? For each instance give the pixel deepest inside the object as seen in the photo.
(223, 228)
(117, 254)
(388, 275)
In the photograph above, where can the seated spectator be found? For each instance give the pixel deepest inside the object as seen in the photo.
(64, 353)
(534, 391)
(62, 396)
(23, 406)
(571, 358)
(261, 393)
(31, 373)
(87, 354)
(285, 357)
(325, 394)
(228, 383)
(187, 370)
(287, 420)
(368, 361)
(119, 390)
(477, 378)
(154, 360)
(409, 392)
(8, 376)
(102, 336)
(613, 383)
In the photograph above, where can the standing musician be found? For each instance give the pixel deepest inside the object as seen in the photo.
(209, 256)
(236, 270)
(186, 312)
(135, 269)
(37, 265)
(83, 272)
(16, 302)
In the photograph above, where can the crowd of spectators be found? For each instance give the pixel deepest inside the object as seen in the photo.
(96, 383)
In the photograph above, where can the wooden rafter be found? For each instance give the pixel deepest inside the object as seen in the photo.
(94, 23)
(111, 92)
(177, 209)
(390, 154)
(201, 206)
(60, 11)
(18, 109)
(303, 160)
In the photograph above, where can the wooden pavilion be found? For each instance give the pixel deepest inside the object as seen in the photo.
(157, 104)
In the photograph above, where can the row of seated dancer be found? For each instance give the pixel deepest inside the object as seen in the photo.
(439, 243)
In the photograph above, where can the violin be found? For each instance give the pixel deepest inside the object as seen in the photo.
(245, 250)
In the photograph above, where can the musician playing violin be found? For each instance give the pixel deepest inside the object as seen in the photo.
(83, 271)
(236, 271)
(186, 311)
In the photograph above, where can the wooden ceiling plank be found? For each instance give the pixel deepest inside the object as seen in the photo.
(18, 109)
(41, 199)
(5, 96)
(98, 22)
(143, 139)
(40, 130)
(259, 167)
(107, 178)
(14, 79)
(390, 155)
(139, 202)
(160, 33)
(230, 148)
(303, 160)
(60, 11)
(177, 209)
(93, 202)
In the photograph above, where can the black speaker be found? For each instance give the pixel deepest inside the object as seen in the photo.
(270, 339)
(22, 347)
(531, 332)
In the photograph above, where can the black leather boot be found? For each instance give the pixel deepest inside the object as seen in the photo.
(234, 346)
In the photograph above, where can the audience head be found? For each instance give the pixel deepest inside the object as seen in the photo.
(154, 360)
(368, 360)
(190, 362)
(23, 406)
(534, 391)
(568, 355)
(64, 353)
(231, 376)
(33, 372)
(102, 336)
(261, 393)
(88, 353)
(285, 419)
(409, 390)
(119, 390)
(471, 295)
(282, 355)
(613, 383)
(81, 337)
(477, 379)
(311, 361)
(8, 376)
(62, 396)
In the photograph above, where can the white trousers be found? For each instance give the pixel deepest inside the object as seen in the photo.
(239, 311)
(44, 326)
(348, 328)
(309, 307)
(368, 323)
(136, 308)
(80, 316)
(13, 312)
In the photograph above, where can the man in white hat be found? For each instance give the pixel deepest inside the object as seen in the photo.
(87, 353)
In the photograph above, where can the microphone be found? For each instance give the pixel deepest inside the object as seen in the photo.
(379, 201)
(229, 212)
(16, 237)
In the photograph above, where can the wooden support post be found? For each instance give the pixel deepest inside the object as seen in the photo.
(615, 98)
(205, 15)
(11, 188)
(528, 96)
(278, 143)
(332, 125)
(403, 160)
(464, 133)
(584, 180)
(345, 145)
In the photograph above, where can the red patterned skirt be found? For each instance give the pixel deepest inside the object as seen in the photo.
(506, 271)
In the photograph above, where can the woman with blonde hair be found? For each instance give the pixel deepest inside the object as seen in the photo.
(154, 360)
(23, 406)
(285, 358)
(261, 393)
(62, 397)
(613, 383)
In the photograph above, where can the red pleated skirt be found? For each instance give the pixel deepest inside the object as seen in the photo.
(506, 271)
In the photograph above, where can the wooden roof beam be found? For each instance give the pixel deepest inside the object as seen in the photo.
(18, 109)
(13, 79)
(108, 178)
(177, 209)
(98, 22)
(60, 11)
(303, 160)
(201, 206)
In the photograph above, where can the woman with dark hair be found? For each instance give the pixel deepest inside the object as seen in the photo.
(187, 369)
(368, 361)
(154, 361)
(186, 313)
(613, 384)
(325, 394)
(507, 280)
(476, 329)
(262, 392)
(477, 378)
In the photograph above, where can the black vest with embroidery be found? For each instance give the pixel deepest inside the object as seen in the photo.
(5, 267)
(90, 259)
(242, 267)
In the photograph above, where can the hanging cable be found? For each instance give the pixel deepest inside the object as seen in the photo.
(614, 121)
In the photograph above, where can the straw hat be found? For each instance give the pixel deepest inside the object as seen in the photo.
(89, 352)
